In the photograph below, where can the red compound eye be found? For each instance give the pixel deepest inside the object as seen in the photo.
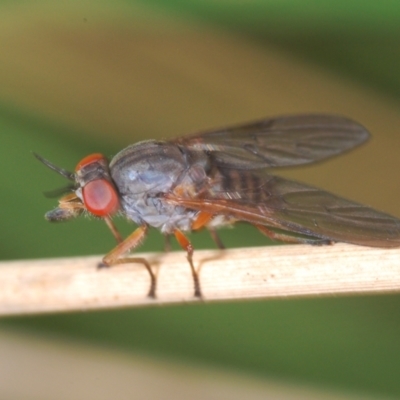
(100, 198)
(88, 160)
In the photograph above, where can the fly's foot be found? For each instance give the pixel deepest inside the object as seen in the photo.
(102, 265)
(152, 291)
(197, 292)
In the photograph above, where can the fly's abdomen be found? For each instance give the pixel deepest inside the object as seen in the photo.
(241, 185)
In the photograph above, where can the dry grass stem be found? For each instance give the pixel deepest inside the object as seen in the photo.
(69, 284)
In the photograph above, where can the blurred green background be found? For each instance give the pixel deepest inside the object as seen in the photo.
(95, 76)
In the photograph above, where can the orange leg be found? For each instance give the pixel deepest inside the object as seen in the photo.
(186, 245)
(291, 239)
(131, 242)
(113, 229)
(203, 218)
(216, 238)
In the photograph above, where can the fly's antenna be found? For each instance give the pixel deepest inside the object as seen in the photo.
(66, 174)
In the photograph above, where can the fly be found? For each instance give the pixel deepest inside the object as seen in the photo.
(218, 177)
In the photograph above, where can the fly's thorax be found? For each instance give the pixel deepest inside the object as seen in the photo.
(145, 171)
(147, 167)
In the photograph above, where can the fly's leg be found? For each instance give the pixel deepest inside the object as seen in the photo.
(131, 242)
(186, 245)
(291, 239)
(202, 219)
(167, 243)
(216, 238)
(113, 229)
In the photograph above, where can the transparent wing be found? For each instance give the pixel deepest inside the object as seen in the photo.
(278, 142)
(294, 207)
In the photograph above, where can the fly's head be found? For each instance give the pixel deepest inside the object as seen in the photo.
(91, 190)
